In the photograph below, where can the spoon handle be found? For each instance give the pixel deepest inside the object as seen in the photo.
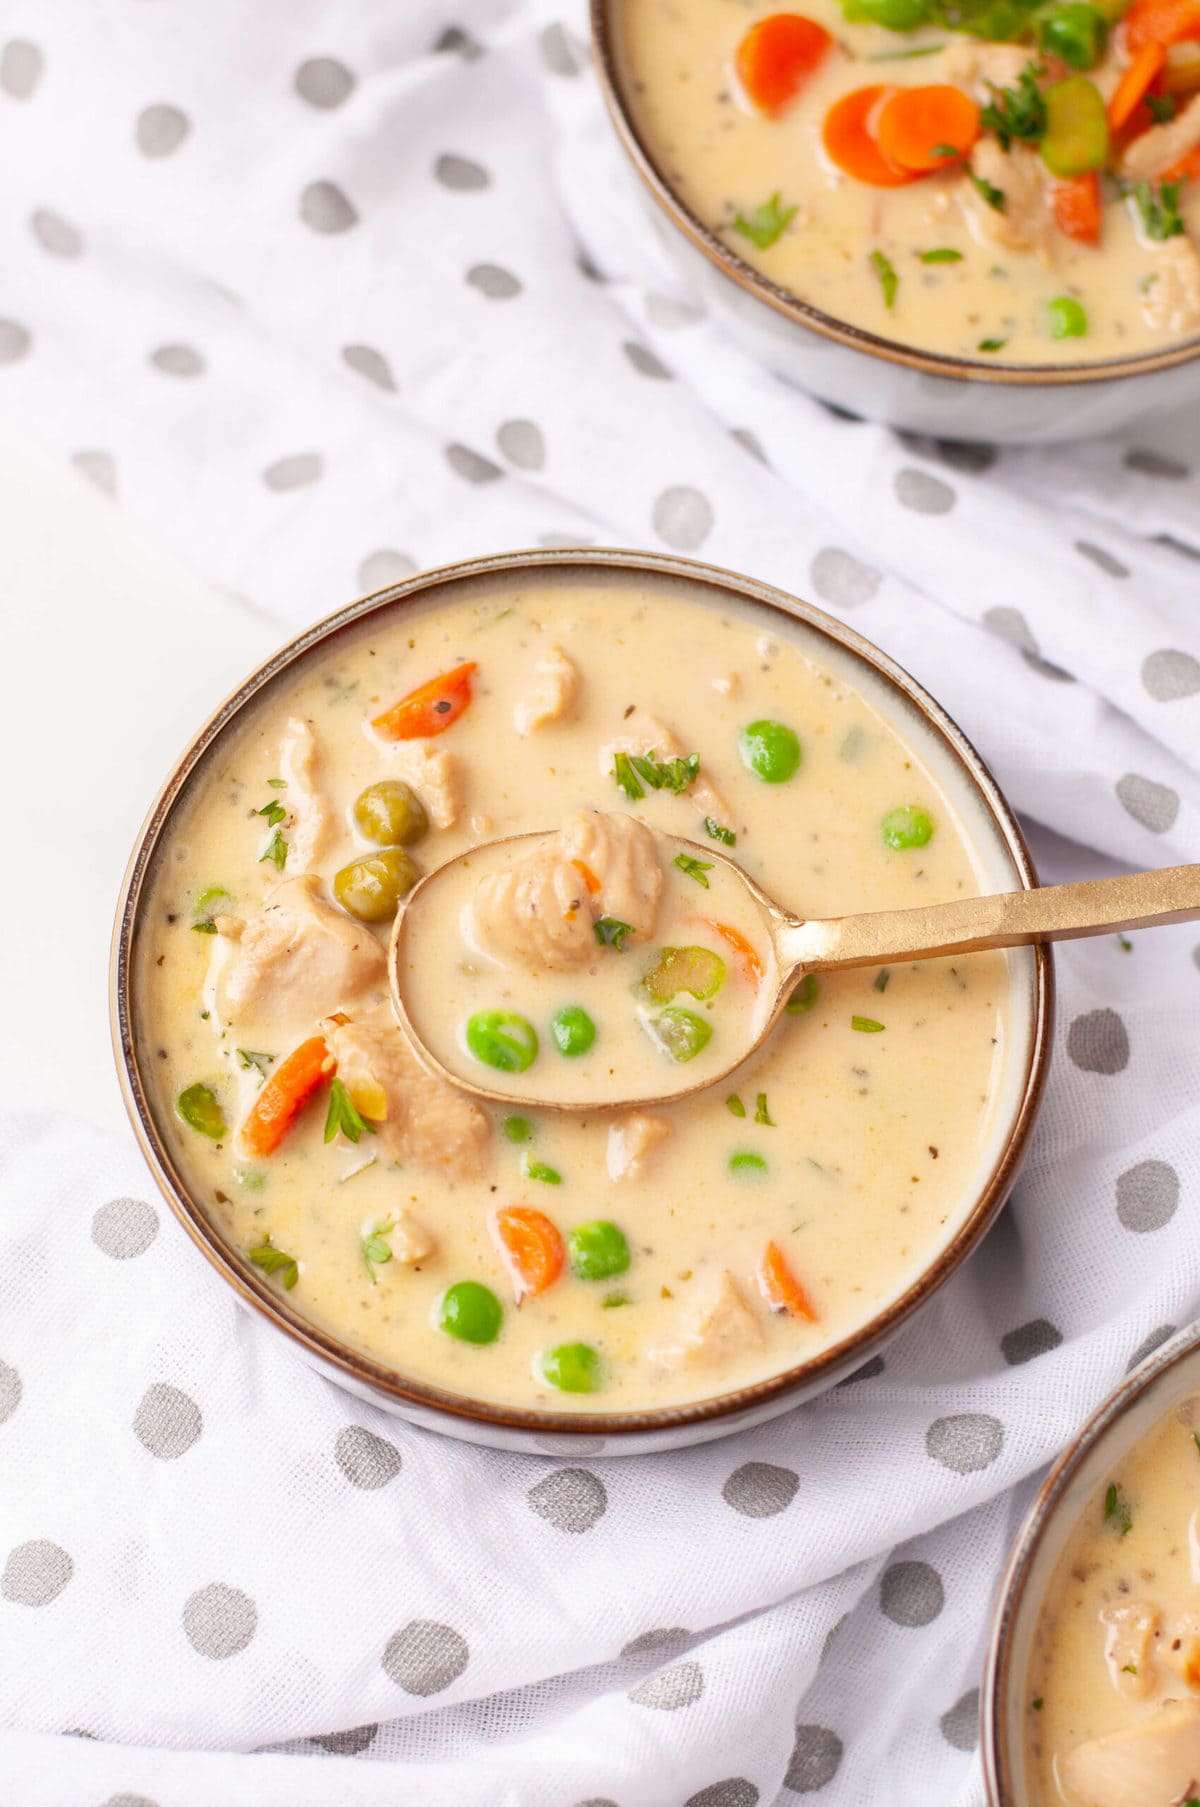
(1012, 919)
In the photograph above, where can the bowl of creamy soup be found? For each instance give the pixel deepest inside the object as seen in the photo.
(970, 217)
(1092, 1692)
(635, 1276)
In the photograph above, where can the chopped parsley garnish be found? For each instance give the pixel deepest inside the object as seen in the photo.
(761, 1113)
(882, 977)
(716, 831)
(746, 1162)
(343, 1115)
(734, 1105)
(945, 150)
(1159, 210)
(538, 1170)
(276, 850)
(866, 1025)
(611, 932)
(1128, 1668)
(1162, 107)
(1018, 112)
(889, 282)
(260, 1062)
(274, 1261)
(991, 345)
(1116, 1510)
(766, 224)
(517, 1129)
(632, 770)
(991, 194)
(941, 254)
(377, 1252)
(212, 902)
(693, 867)
(1038, 1703)
(277, 784)
(612, 1300)
(1126, 944)
(274, 812)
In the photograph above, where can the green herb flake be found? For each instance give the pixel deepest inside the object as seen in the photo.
(745, 1161)
(1196, 1440)
(866, 1025)
(734, 1105)
(276, 850)
(517, 1129)
(377, 1252)
(1018, 112)
(1162, 107)
(882, 977)
(1116, 1510)
(212, 902)
(343, 1115)
(988, 191)
(1125, 944)
(633, 771)
(716, 831)
(941, 254)
(274, 1261)
(613, 1300)
(991, 345)
(204, 928)
(889, 282)
(767, 224)
(274, 812)
(249, 1059)
(610, 931)
(1159, 210)
(1038, 1703)
(277, 784)
(538, 1170)
(804, 996)
(945, 150)
(1128, 1668)
(693, 868)
(761, 1113)
(626, 777)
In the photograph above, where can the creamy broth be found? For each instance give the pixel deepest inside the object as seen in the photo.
(1114, 1683)
(854, 1142)
(994, 290)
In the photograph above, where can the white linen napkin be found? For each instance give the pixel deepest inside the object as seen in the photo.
(328, 294)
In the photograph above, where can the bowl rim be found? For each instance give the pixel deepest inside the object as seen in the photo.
(998, 1674)
(361, 1370)
(804, 313)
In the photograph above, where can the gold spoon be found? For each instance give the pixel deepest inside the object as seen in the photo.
(800, 947)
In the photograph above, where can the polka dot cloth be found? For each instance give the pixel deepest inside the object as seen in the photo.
(429, 320)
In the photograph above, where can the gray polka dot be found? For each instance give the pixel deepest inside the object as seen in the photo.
(424, 1657)
(596, 1800)
(911, 1594)
(349, 1743)
(570, 1498)
(99, 468)
(325, 208)
(167, 1422)
(922, 493)
(1097, 1042)
(370, 363)
(1149, 1344)
(837, 412)
(1012, 626)
(492, 280)
(460, 173)
(366, 1460)
(21, 68)
(816, 1756)
(735, 1791)
(129, 1800)
(670, 314)
(15, 341)
(966, 1442)
(832, 1634)
(683, 517)
(760, 1490)
(36, 1573)
(662, 1637)
(124, 1227)
(569, 1446)
(842, 579)
(471, 466)
(1105, 561)
(294, 471)
(1029, 1341)
(10, 1391)
(868, 1371)
(670, 1688)
(645, 362)
(522, 444)
(960, 1725)
(454, 41)
(1147, 1196)
(178, 360)
(561, 53)
(1153, 464)
(1169, 675)
(379, 569)
(161, 130)
(219, 1621)
(323, 82)
(749, 442)
(970, 455)
(56, 235)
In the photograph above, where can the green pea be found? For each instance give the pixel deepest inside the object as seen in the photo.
(517, 1129)
(1076, 32)
(198, 1107)
(571, 1367)
(391, 813)
(680, 1033)
(501, 1039)
(371, 888)
(771, 751)
(747, 1162)
(572, 1029)
(804, 996)
(696, 970)
(1076, 138)
(896, 15)
(1068, 318)
(905, 827)
(597, 1251)
(471, 1312)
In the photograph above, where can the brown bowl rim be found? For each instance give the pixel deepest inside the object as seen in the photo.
(803, 313)
(253, 1289)
(998, 1677)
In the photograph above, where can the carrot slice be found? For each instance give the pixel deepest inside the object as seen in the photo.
(591, 882)
(284, 1096)
(1161, 22)
(737, 941)
(776, 57)
(850, 143)
(1188, 168)
(1075, 204)
(927, 128)
(530, 1248)
(1134, 82)
(430, 709)
(780, 1287)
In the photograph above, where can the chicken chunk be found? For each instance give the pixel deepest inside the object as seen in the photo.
(299, 958)
(299, 761)
(1158, 1759)
(621, 853)
(1171, 300)
(1153, 152)
(1130, 1630)
(718, 1327)
(632, 1141)
(409, 1239)
(980, 67)
(550, 695)
(435, 774)
(643, 733)
(1025, 223)
(422, 1119)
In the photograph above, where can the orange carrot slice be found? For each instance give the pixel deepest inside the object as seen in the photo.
(776, 57)
(750, 959)
(530, 1248)
(591, 882)
(1133, 84)
(430, 709)
(927, 128)
(850, 142)
(1075, 204)
(1161, 22)
(284, 1096)
(1188, 168)
(780, 1287)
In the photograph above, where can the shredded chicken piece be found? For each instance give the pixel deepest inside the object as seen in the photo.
(298, 958)
(299, 761)
(632, 1142)
(550, 695)
(435, 773)
(718, 1326)
(410, 1239)
(978, 67)
(1156, 150)
(1130, 1630)
(728, 684)
(621, 852)
(643, 733)
(1158, 1759)
(1026, 222)
(428, 1122)
(1171, 299)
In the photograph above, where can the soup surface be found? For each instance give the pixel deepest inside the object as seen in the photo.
(558, 1260)
(987, 250)
(1114, 1708)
